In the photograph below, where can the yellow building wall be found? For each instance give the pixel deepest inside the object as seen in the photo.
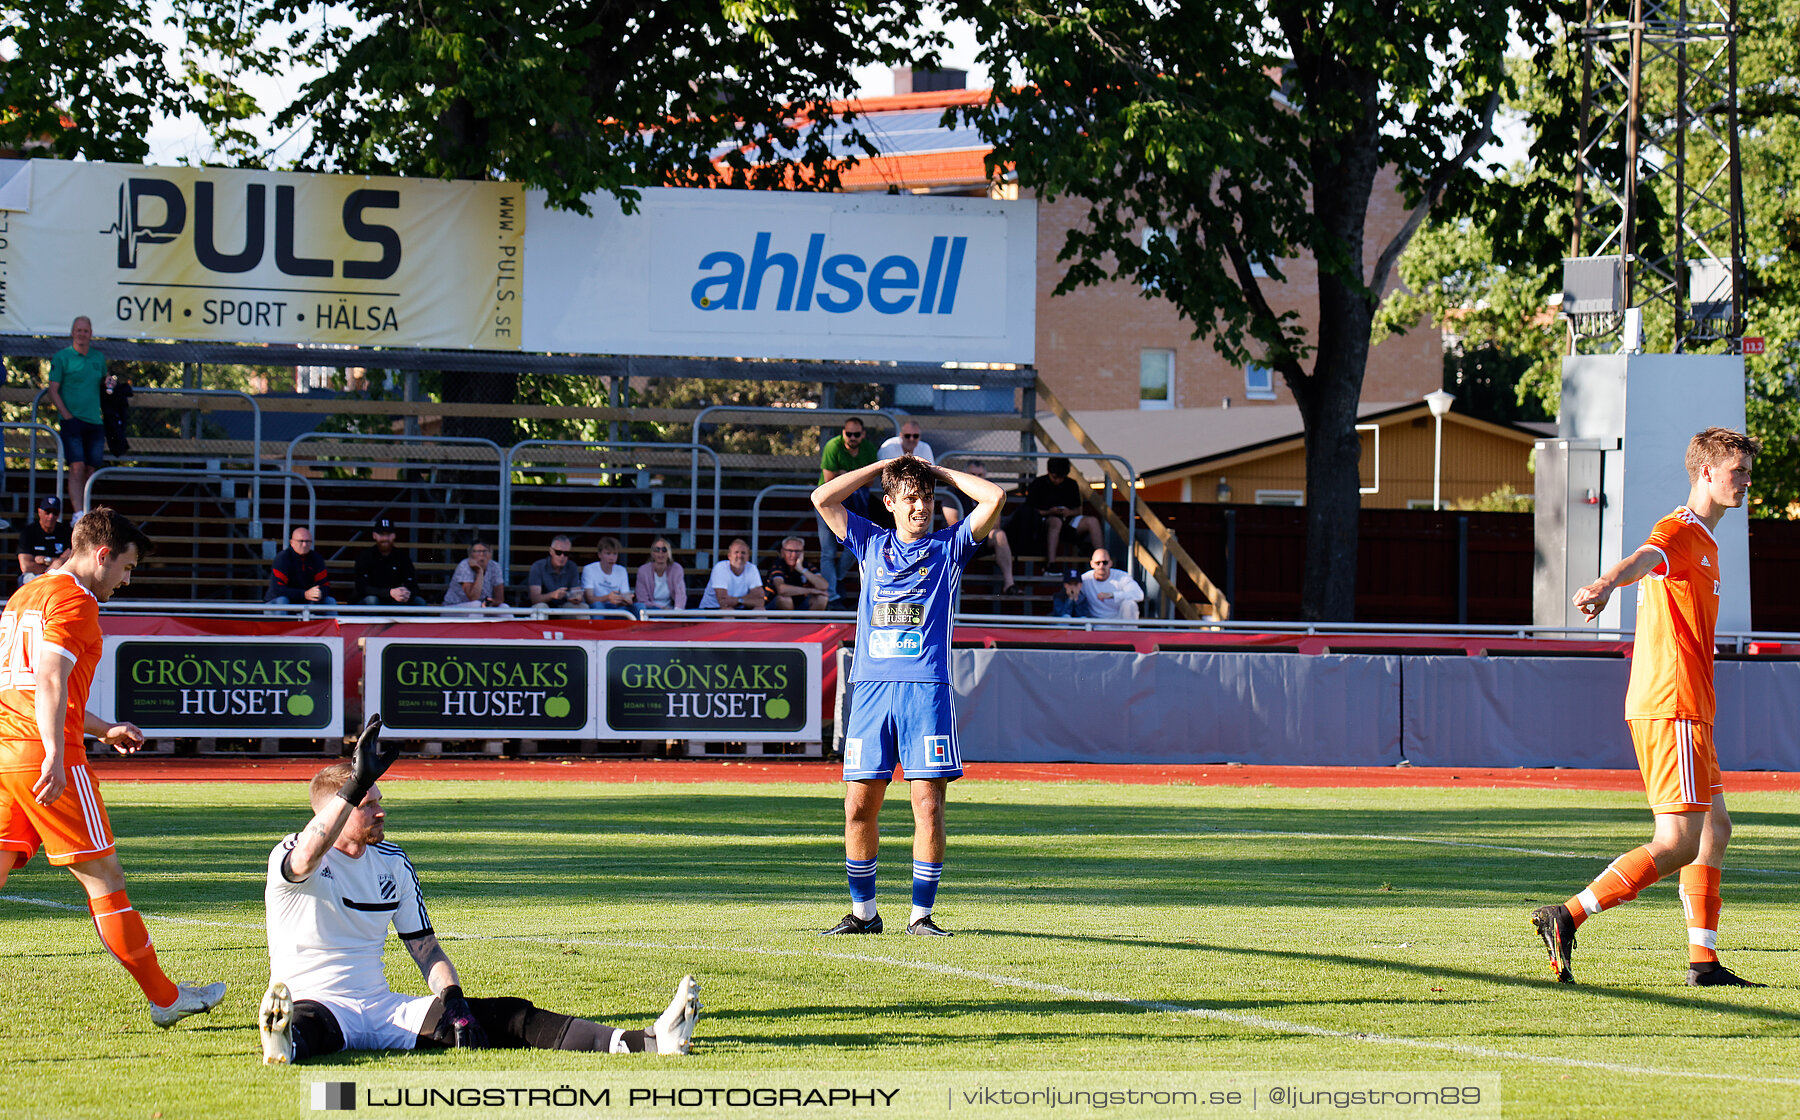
(1478, 460)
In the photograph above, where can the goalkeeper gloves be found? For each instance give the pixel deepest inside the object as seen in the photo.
(369, 763)
(466, 1032)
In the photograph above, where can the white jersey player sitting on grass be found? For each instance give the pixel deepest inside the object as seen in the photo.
(333, 889)
(900, 698)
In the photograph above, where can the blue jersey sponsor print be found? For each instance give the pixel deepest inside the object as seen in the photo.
(908, 594)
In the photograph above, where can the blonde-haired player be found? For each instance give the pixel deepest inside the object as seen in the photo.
(49, 648)
(1669, 707)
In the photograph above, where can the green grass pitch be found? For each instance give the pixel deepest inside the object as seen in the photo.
(1099, 928)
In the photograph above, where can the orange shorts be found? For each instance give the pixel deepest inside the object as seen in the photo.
(70, 829)
(1680, 767)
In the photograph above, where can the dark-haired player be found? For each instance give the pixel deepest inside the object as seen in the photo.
(1669, 707)
(50, 645)
(900, 698)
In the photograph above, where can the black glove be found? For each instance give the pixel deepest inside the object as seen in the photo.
(369, 763)
(465, 1029)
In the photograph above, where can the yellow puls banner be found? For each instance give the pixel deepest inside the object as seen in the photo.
(219, 255)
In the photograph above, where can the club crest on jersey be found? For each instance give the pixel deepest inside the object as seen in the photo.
(896, 643)
(389, 892)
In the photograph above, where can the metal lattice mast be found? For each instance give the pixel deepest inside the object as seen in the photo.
(1659, 195)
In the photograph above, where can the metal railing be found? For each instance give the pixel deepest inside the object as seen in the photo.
(255, 476)
(694, 450)
(33, 454)
(1130, 473)
(380, 437)
(256, 525)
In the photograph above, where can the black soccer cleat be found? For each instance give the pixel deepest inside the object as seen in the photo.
(1716, 975)
(925, 927)
(1555, 925)
(854, 924)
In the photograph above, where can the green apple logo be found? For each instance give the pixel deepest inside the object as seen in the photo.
(777, 708)
(556, 707)
(300, 704)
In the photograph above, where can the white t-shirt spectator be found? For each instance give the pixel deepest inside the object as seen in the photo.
(1123, 589)
(890, 448)
(599, 583)
(731, 583)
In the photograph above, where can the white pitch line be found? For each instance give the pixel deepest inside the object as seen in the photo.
(1259, 1022)
(1423, 840)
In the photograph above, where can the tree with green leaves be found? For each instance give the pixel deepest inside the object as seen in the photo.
(1490, 262)
(1210, 146)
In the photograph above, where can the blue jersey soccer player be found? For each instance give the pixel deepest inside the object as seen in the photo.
(900, 699)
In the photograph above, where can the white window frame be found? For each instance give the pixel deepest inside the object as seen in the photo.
(1375, 489)
(1150, 404)
(1150, 233)
(1256, 393)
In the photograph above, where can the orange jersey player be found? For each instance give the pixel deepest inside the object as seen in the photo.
(50, 645)
(1669, 708)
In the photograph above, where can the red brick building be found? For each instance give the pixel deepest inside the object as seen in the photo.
(1109, 347)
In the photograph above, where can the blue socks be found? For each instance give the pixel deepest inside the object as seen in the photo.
(862, 887)
(925, 885)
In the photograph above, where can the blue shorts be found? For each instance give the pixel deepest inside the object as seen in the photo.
(905, 722)
(84, 442)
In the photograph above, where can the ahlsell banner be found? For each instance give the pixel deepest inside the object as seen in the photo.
(774, 274)
(265, 687)
(219, 255)
(477, 688)
(712, 691)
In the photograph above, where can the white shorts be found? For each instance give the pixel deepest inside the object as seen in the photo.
(386, 1022)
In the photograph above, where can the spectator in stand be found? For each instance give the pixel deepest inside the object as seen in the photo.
(790, 586)
(661, 583)
(1108, 592)
(299, 576)
(385, 576)
(77, 374)
(554, 581)
(1052, 501)
(846, 452)
(477, 582)
(42, 541)
(735, 583)
(910, 441)
(605, 584)
(996, 544)
(1068, 602)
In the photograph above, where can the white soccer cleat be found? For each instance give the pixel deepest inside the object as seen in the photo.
(675, 1030)
(189, 1000)
(273, 1021)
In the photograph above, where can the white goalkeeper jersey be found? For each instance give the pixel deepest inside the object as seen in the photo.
(326, 933)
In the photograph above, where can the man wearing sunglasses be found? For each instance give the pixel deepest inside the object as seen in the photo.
(553, 581)
(848, 451)
(910, 441)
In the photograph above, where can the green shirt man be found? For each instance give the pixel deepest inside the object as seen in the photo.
(848, 452)
(77, 372)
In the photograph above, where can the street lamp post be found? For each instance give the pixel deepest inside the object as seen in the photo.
(1439, 402)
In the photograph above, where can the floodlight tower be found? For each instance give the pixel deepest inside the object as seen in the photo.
(1659, 231)
(1659, 219)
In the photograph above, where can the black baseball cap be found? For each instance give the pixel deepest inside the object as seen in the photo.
(1071, 576)
(383, 525)
(51, 504)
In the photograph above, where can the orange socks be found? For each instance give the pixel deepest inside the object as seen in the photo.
(1699, 894)
(1620, 882)
(122, 931)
